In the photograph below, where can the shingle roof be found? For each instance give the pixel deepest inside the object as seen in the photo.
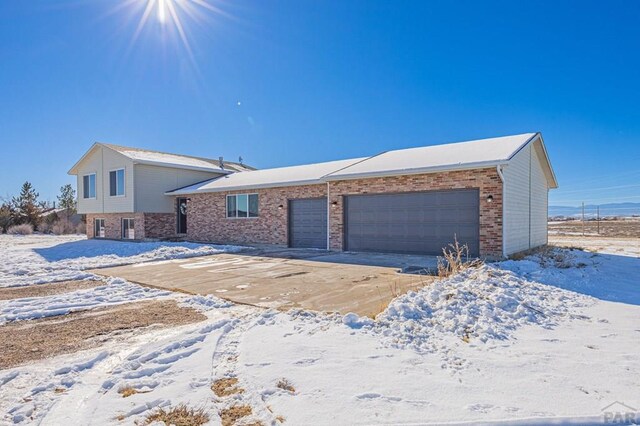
(452, 156)
(269, 178)
(146, 156)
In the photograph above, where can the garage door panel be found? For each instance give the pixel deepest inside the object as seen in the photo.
(421, 222)
(308, 223)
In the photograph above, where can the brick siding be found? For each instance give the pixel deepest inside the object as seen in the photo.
(486, 180)
(145, 225)
(207, 216)
(207, 221)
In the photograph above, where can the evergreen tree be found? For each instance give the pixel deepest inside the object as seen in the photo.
(26, 205)
(6, 216)
(67, 199)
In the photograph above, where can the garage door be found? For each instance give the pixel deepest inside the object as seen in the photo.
(308, 223)
(417, 222)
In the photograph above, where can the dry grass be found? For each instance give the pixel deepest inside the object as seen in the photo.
(226, 386)
(231, 415)
(127, 391)
(25, 341)
(39, 290)
(455, 259)
(280, 418)
(629, 228)
(180, 415)
(286, 385)
(550, 256)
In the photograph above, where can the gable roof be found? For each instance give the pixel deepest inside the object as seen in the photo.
(165, 159)
(471, 154)
(453, 156)
(268, 178)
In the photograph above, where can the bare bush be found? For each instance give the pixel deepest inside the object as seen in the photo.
(63, 226)
(24, 229)
(81, 228)
(45, 227)
(455, 259)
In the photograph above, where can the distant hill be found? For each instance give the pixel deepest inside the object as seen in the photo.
(611, 209)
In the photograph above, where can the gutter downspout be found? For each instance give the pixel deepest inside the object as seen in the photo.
(501, 175)
(328, 218)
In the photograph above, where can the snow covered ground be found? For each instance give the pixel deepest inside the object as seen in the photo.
(535, 341)
(37, 259)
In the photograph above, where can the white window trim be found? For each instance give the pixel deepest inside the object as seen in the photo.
(122, 227)
(124, 169)
(226, 205)
(95, 220)
(95, 189)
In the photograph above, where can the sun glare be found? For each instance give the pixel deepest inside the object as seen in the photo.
(172, 16)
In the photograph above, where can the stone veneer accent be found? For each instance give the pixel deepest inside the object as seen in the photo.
(207, 221)
(146, 225)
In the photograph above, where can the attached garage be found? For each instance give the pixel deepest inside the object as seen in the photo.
(308, 223)
(415, 222)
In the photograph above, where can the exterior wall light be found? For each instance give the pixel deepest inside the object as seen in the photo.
(334, 204)
(280, 207)
(490, 199)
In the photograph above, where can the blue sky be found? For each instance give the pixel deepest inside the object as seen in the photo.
(300, 81)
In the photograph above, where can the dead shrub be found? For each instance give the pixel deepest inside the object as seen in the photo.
(24, 229)
(63, 227)
(231, 415)
(455, 259)
(180, 415)
(286, 385)
(127, 391)
(226, 386)
(81, 228)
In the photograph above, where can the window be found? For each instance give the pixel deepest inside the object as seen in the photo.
(242, 205)
(89, 186)
(128, 232)
(116, 183)
(98, 228)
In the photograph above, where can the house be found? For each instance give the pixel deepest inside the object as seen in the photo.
(490, 194)
(121, 189)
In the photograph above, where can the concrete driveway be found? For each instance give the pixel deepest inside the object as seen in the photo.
(288, 278)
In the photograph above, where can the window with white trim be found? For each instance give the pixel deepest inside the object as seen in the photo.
(128, 232)
(242, 206)
(89, 186)
(98, 228)
(116, 183)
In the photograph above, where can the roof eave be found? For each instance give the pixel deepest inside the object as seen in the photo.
(182, 166)
(185, 191)
(416, 171)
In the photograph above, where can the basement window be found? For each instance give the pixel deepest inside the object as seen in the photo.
(242, 206)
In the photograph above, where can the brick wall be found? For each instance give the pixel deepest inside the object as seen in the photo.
(159, 225)
(145, 225)
(207, 218)
(486, 180)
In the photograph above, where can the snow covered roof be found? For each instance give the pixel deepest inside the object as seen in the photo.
(165, 159)
(452, 156)
(268, 178)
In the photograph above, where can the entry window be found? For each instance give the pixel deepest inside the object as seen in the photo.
(116, 183)
(128, 232)
(242, 205)
(89, 186)
(98, 228)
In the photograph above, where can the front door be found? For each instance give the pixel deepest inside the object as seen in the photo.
(182, 215)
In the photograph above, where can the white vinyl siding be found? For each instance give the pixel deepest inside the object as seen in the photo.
(525, 202)
(151, 182)
(92, 164)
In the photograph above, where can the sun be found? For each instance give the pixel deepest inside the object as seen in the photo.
(174, 13)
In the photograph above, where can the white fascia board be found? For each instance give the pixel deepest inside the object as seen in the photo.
(182, 166)
(416, 171)
(245, 187)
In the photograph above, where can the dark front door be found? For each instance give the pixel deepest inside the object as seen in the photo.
(182, 215)
(413, 222)
(308, 223)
